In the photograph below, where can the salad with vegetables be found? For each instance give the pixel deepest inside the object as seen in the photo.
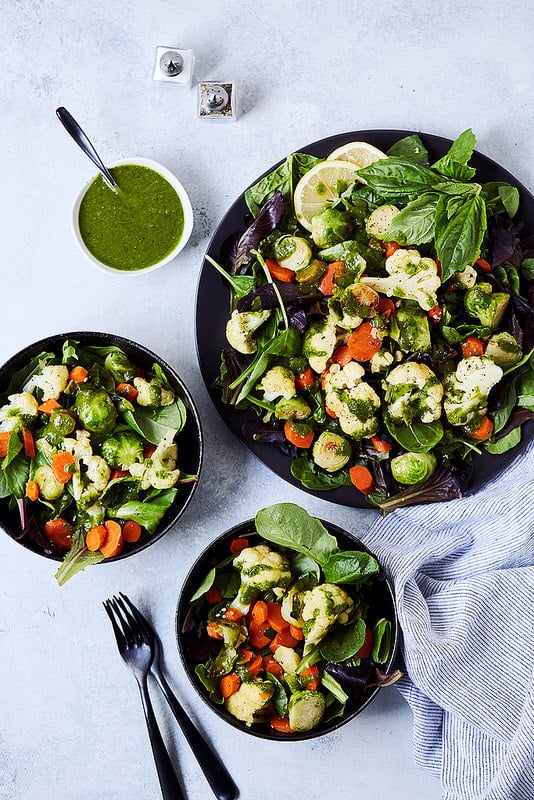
(381, 324)
(286, 630)
(88, 452)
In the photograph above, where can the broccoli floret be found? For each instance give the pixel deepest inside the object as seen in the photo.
(411, 277)
(467, 389)
(240, 328)
(352, 400)
(122, 450)
(413, 393)
(250, 701)
(323, 606)
(20, 410)
(261, 569)
(152, 394)
(319, 342)
(278, 382)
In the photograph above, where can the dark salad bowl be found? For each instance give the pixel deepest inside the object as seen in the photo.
(192, 648)
(189, 440)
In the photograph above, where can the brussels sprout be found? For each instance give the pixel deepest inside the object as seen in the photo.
(49, 487)
(61, 422)
(95, 409)
(117, 363)
(411, 468)
(331, 451)
(330, 227)
(292, 408)
(359, 300)
(305, 710)
(311, 274)
(485, 305)
(380, 219)
(504, 350)
(122, 450)
(292, 252)
(410, 328)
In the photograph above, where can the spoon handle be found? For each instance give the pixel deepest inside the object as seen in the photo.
(66, 118)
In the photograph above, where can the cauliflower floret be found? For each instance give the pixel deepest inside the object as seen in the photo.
(19, 406)
(413, 393)
(323, 606)
(410, 277)
(278, 382)
(381, 361)
(52, 380)
(98, 472)
(159, 470)
(352, 400)
(467, 389)
(152, 394)
(261, 569)
(467, 277)
(88, 484)
(319, 342)
(288, 658)
(250, 701)
(241, 326)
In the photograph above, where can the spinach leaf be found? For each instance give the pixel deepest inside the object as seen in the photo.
(525, 390)
(420, 437)
(23, 375)
(14, 473)
(459, 237)
(241, 285)
(349, 252)
(350, 566)
(381, 641)
(210, 682)
(410, 148)
(527, 269)
(148, 513)
(305, 471)
(282, 179)
(415, 223)
(286, 343)
(302, 565)
(344, 643)
(153, 424)
(508, 401)
(279, 698)
(398, 178)
(289, 525)
(505, 443)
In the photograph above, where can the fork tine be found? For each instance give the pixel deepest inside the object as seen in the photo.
(119, 635)
(139, 618)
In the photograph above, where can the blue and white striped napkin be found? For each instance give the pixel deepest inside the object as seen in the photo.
(464, 581)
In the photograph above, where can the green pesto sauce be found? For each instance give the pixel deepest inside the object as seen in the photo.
(135, 227)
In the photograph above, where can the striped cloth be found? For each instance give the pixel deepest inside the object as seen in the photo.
(464, 580)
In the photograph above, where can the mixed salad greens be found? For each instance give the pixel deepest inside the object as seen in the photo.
(88, 452)
(289, 636)
(381, 326)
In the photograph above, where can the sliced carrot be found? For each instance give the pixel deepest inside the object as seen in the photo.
(272, 666)
(95, 538)
(484, 265)
(256, 635)
(255, 665)
(128, 391)
(299, 434)
(4, 443)
(213, 596)
(29, 444)
(279, 273)
(238, 544)
(78, 374)
(282, 639)
(367, 647)
(32, 490)
(380, 445)
(435, 314)
(275, 618)
(131, 530)
(245, 655)
(391, 248)
(305, 379)
(229, 684)
(59, 531)
(114, 541)
(213, 631)
(330, 412)
(484, 430)
(472, 346)
(327, 283)
(341, 355)
(312, 671)
(148, 450)
(233, 614)
(386, 307)
(119, 473)
(362, 478)
(48, 406)
(364, 342)
(313, 684)
(260, 612)
(63, 466)
(280, 724)
(296, 632)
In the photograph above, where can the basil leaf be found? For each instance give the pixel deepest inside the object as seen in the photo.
(458, 239)
(397, 178)
(410, 148)
(282, 179)
(500, 196)
(454, 162)
(344, 643)
(289, 525)
(415, 223)
(381, 641)
(350, 566)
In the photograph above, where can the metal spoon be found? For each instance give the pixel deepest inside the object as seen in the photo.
(66, 118)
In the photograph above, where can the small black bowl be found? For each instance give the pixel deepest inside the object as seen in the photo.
(381, 600)
(190, 442)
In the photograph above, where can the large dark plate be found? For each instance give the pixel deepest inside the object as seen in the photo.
(213, 307)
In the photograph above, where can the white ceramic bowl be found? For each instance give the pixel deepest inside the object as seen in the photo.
(184, 199)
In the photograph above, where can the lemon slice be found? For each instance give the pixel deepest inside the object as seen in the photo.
(359, 153)
(320, 187)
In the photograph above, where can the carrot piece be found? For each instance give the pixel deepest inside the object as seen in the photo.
(275, 618)
(255, 665)
(472, 346)
(330, 412)
(78, 374)
(327, 283)
(484, 430)
(279, 273)
(95, 538)
(484, 265)
(341, 355)
(148, 450)
(280, 724)
(260, 612)
(212, 631)
(272, 666)
(435, 314)
(305, 379)
(128, 391)
(29, 444)
(233, 614)
(245, 655)
(367, 647)
(391, 248)
(299, 434)
(256, 635)
(296, 632)
(238, 544)
(313, 684)
(386, 307)
(364, 342)
(282, 639)
(229, 684)
(380, 445)
(4, 443)
(63, 466)
(213, 596)
(311, 672)
(114, 541)
(59, 531)
(48, 406)
(32, 490)
(119, 473)
(362, 478)
(131, 530)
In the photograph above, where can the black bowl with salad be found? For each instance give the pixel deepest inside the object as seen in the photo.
(286, 625)
(373, 333)
(100, 448)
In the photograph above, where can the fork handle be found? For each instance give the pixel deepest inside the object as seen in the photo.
(170, 788)
(216, 773)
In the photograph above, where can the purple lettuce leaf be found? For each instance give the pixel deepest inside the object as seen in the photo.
(268, 218)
